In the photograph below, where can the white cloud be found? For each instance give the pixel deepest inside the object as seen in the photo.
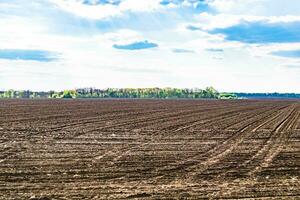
(225, 6)
(256, 7)
(267, 50)
(140, 5)
(207, 21)
(122, 36)
(103, 11)
(93, 12)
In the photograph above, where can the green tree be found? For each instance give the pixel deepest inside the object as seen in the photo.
(227, 96)
(69, 94)
(211, 92)
(9, 94)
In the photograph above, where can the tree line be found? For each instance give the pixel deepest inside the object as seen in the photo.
(160, 93)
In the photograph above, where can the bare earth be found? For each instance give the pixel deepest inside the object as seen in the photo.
(152, 149)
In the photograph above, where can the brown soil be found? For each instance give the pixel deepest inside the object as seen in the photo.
(149, 149)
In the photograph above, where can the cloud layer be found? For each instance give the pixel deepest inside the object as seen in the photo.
(61, 44)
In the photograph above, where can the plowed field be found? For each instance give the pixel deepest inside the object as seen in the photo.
(149, 149)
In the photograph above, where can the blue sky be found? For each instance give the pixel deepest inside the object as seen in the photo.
(65, 44)
(35, 55)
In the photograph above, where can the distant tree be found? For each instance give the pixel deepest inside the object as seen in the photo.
(68, 94)
(55, 95)
(9, 94)
(34, 95)
(211, 92)
(227, 96)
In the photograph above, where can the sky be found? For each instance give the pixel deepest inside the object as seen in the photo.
(232, 45)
